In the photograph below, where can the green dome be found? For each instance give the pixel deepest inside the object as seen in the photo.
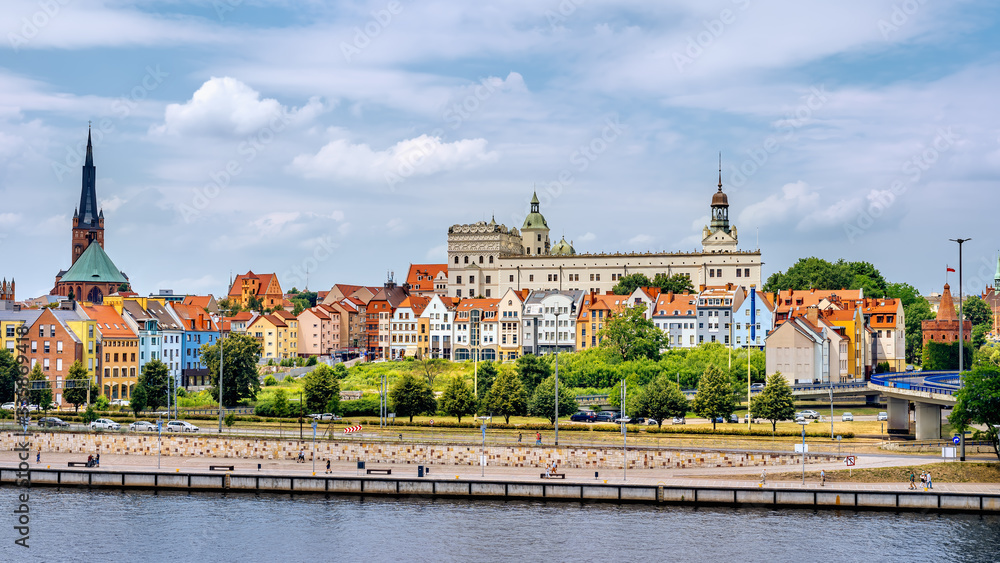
(534, 220)
(562, 248)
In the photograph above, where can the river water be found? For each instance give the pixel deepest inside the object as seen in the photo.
(130, 526)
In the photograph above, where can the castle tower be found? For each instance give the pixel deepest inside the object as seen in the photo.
(719, 235)
(535, 231)
(7, 290)
(88, 220)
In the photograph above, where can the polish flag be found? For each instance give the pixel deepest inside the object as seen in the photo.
(951, 269)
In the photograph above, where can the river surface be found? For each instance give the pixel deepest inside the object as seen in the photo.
(131, 526)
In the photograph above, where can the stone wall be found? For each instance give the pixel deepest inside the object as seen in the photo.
(400, 452)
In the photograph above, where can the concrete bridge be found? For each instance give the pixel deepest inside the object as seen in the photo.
(929, 391)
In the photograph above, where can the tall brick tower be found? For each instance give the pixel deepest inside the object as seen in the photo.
(88, 220)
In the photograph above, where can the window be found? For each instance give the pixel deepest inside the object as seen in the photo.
(458, 293)
(45, 364)
(480, 258)
(591, 277)
(711, 273)
(466, 259)
(59, 346)
(539, 235)
(487, 293)
(491, 259)
(46, 346)
(488, 278)
(458, 279)
(738, 272)
(472, 279)
(512, 278)
(52, 331)
(531, 277)
(456, 259)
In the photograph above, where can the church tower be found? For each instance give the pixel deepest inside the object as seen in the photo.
(88, 220)
(535, 231)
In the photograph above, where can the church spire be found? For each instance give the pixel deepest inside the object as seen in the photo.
(88, 217)
(720, 171)
(90, 149)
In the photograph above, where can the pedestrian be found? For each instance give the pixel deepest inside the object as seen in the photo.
(548, 471)
(38, 456)
(97, 460)
(519, 436)
(930, 484)
(923, 480)
(538, 438)
(763, 477)
(90, 461)
(822, 478)
(913, 483)
(328, 466)
(302, 457)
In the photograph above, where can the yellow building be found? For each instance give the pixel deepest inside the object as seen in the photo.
(119, 346)
(277, 334)
(509, 316)
(595, 310)
(86, 330)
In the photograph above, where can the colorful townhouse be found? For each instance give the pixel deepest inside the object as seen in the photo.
(476, 330)
(405, 329)
(807, 349)
(55, 347)
(316, 331)
(510, 310)
(427, 280)
(763, 318)
(886, 319)
(595, 310)
(677, 316)
(715, 312)
(379, 319)
(549, 321)
(264, 287)
(198, 329)
(277, 333)
(119, 347)
(439, 317)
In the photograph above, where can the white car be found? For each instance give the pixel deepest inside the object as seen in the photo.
(119, 402)
(142, 425)
(180, 426)
(847, 417)
(883, 416)
(325, 416)
(105, 424)
(8, 406)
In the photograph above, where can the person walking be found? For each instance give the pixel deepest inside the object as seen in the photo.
(930, 484)
(328, 466)
(822, 478)
(538, 438)
(519, 436)
(763, 477)
(923, 480)
(38, 456)
(913, 481)
(97, 460)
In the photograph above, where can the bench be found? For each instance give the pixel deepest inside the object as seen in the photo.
(221, 468)
(381, 471)
(77, 464)
(554, 476)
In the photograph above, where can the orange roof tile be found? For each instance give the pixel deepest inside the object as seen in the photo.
(109, 323)
(421, 276)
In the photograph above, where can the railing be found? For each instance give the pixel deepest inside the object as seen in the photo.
(925, 382)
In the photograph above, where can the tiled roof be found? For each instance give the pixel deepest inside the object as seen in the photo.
(109, 323)
(684, 303)
(421, 276)
(188, 313)
(94, 266)
(484, 304)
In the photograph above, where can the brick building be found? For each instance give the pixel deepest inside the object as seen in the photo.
(945, 327)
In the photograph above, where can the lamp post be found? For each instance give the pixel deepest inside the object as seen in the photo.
(961, 337)
(557, 376)
(222, 335)
(482, 456)
(803, 422)
(624, 437)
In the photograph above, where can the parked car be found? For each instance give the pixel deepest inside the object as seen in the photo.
(583, 416)
(604, 417)
(8, 406)
(678, 420)
(53, 421)
(809, 414)
(119, 402)
(324, 416)
(847, 417)
(142, 425)
(718, 420)
(734, 418)
(105, 424)
(180, 426)
(883, 416)
(757, 387)
(651, 422)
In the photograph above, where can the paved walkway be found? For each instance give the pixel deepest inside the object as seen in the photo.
(779, 477)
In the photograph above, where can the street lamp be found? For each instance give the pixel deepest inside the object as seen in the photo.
(961, 338)
(557, 376)
(482, 457)
(803, 422)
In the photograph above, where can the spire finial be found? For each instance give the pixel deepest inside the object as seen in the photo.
(720, 171)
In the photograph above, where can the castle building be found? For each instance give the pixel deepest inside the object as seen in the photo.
(944, 328)
(487, 259)
(92, 274)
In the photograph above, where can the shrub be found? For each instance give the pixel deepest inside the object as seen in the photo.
(230, 419)
(367, 405)
(101, 403)
(270, 381)
(289, 379)
(89, 415)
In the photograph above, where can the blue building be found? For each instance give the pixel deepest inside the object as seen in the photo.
(764, 318)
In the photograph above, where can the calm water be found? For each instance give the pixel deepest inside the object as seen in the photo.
(133, 527)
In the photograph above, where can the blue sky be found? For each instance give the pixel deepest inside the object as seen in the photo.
(345, 138)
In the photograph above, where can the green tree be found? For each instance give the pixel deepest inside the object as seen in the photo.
(433, 367)
(9, 374)
(270, 381)
(42, 395)
(89, 415)
(486, 373)
(507, 396)
(138, 402)
(280, 406)
(457, 399)
(299, 305)
(319, 386)
(866, 276)
(256, 304)
(241, 381)
(715, 395)
(153, 381)
(914, 314)
(340, 371)
(631, 335)
(677, 283)
(940, 356)
(543, 400)
(977, 311)
(532, 370)
(627, 284)
(905, 292)
(661, 399)
(775, 402)
(412, 396)
(978, 402)
(809, 273)
(77, 394)
(122, 287)
(979, 333)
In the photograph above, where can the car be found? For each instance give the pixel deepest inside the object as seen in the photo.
(735, 418)
(142, 425)
(651, 422)
(799, 416)
(53, 421)
(883, 416)
(809, 414)
(119, 402)
(324, 416)
(757, 387)
(583, 416)
(718, 420)
(629, 420)
(181, 426)
(847, 417)
(678, 420)
(8, 406)
(604, 417)
(105, 424)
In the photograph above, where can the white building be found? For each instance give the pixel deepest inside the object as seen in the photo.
(439, 316)
(549, 321)
(676, 315)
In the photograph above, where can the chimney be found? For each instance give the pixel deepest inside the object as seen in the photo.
(812, 314)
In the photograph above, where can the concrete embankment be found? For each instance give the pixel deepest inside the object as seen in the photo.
(511, 489)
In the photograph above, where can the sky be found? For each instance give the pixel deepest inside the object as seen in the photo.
(342, 139)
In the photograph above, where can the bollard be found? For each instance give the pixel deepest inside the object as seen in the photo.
(420, 471)
(258, 467)
(595, 475)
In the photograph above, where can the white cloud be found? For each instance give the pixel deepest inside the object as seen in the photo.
(111, 204)
(419, 156)
(226, 106)
(437, 253)
(640, 240)
(395, 225)
(587, 237)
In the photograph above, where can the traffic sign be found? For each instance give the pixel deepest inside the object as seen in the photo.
(850, 460)
(956, 440)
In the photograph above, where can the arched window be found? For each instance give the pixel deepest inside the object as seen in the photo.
(456, 259)
(480, 259)
(466, 259)
(491, 259)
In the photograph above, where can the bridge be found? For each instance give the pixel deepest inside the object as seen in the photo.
(929, 391)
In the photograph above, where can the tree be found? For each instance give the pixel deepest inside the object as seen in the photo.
(914, 314)
(661, 399)
(299, 305)
(77, 394)
(411, 396)
(775, 402)
(506, 397)
(457, 399)
(866, 276)
(715, 395)
(486, 374)
(153, 381)
(627, 284)
(241, 380)
(977, 311)
(229, 306)
(677, 283)
(532, 370)
(543, 401)
(9, 374)
(433, 367)
(978, 402)
(138, 401)
(280, 406)
(339, 371)
(631, 335)
(905, 292)
(318, 387)
(42, 396)
(71, 295)
(123, 287)
(809, 273)
(944, 356)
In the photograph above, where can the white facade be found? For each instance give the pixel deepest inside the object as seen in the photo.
(549, 321)
(440, 320)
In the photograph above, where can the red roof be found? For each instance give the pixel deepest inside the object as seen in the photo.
(421, 276)
(109, 323)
